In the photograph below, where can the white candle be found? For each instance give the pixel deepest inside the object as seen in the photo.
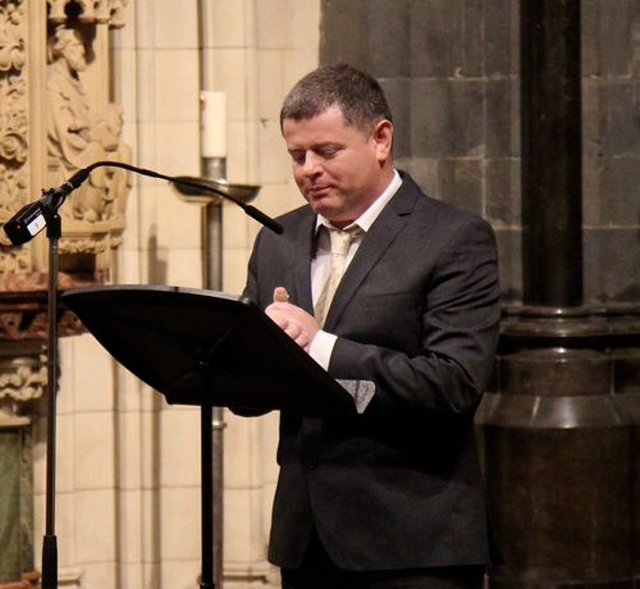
(213, 124)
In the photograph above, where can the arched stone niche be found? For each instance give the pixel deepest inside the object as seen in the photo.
(58, 117)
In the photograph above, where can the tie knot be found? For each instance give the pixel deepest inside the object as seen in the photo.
(341, 239)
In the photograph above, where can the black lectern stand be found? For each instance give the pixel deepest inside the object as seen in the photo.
(205, 348)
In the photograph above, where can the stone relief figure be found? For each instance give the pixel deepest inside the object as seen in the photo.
(77, 137)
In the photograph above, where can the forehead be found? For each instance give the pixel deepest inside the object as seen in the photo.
(326, 127)
(73, 43)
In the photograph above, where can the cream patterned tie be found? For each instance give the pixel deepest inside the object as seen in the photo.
(340, 242)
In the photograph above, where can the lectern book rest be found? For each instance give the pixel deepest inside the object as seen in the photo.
(192, 345)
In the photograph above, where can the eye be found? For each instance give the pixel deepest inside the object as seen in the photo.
(298, 156)
(328, 151)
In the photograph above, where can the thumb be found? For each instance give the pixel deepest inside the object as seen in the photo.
(280, 295)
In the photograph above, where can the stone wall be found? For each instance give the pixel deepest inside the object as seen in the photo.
(451, 71)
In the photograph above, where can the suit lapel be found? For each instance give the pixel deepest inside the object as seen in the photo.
(382, 233)
(301, 269)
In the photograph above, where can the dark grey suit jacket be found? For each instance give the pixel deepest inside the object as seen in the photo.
(417, 312)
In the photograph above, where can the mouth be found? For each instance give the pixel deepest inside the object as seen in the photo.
(318, 192)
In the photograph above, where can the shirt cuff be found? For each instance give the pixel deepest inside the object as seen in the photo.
(321, 348)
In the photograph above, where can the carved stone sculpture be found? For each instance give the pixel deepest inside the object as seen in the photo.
(22, 379)
(78, 137)
(13, 125)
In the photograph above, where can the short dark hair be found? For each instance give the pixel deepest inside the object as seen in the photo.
(357, 94)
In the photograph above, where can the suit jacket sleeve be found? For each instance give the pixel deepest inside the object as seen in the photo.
(441, 331)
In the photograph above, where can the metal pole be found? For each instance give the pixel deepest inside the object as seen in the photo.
(214, 169)
(50, 541)
(212, 280)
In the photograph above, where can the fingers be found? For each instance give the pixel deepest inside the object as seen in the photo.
(299, 325)
(294, 329)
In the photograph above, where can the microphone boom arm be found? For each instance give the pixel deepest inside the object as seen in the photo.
(32, 218)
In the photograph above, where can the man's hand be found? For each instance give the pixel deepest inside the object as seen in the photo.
(294, 321)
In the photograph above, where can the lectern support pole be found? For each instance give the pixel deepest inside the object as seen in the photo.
(206, 469)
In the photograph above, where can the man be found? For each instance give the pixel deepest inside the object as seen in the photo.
(390, 496)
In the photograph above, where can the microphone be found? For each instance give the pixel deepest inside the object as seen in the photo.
(34, 217)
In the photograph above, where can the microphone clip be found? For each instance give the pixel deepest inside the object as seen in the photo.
(34, 217)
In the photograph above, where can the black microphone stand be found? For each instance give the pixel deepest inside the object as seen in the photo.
(49, 209)
(24, 225)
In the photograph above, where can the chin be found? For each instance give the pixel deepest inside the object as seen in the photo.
(326, 212)
(319, 207)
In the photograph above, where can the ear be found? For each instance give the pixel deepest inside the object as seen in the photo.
(382, 137)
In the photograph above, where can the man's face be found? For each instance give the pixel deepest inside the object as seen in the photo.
(339, 169)
(74, 54)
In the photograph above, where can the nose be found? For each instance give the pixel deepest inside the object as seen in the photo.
(311, 164)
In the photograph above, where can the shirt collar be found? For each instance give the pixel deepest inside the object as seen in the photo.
(367, 218)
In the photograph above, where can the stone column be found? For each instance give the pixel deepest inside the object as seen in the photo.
(557, 447)
(551, 152)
